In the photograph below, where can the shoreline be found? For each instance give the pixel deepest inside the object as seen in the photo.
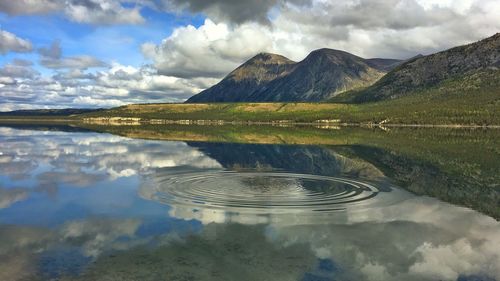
(127, 121)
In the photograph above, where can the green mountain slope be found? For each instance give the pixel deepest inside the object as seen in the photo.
(437, 70)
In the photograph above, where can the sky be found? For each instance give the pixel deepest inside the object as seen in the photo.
(105, 53)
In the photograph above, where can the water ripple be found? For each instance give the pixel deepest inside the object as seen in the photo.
(262, 192)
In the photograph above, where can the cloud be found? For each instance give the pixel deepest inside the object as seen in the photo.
(97, 12)
(11, 43)
(72, 86)
(20, 7)
(18, 69)
(237, 12)
(75, 62)
(103, 12)
(51, 57)
(396, 28)
(212, 50)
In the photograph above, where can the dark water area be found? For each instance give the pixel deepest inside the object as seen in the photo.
(82, 205)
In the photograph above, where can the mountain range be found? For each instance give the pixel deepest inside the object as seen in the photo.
(334, 75)
(421, 73)
(321, 75)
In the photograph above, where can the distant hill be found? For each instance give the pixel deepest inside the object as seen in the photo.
(48, 112)
(253, 75)
(458, 64)
(323, 74)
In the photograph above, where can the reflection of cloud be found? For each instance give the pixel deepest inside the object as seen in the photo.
(17, 246)
(11, 196)
(220, 252)
(78, 178)
(22, 247)
(417, 239)
(99, 234)
(54, 158)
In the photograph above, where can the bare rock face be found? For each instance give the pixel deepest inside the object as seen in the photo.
(321, 75)
(427, 71)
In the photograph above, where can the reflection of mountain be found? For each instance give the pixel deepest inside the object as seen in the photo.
(471, 186)
(420, 176)
(314, 160)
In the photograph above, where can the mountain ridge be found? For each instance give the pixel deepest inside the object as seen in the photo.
(421, 73)
(270, 77)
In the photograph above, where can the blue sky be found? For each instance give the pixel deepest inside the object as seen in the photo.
(109, 43)
(104, 53)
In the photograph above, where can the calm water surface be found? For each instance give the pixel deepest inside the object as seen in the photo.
(92, 206)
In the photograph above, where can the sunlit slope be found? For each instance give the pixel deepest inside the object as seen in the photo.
(472, 100)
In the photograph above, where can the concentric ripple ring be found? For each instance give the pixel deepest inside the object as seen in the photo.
(261, 192)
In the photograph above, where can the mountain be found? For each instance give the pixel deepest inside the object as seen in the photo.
(452, 66)
(254, 74)
(323, 74)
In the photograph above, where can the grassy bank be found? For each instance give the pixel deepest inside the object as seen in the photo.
(474, 100)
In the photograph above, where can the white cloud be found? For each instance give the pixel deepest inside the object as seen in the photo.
(394, 29)
(211, 50)
(11, 43)
(19, 7)
(99, 12)
(102, 12)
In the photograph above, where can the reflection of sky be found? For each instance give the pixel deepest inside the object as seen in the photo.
(70, 198)
(43, 173)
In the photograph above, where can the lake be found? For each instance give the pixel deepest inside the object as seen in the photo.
(248, 203)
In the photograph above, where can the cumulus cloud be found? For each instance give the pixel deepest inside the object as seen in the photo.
(394, 29)
(11, 43)
(232, 11)
(211, 50)
(20, 7)
(85, 81)
(101, 12)
(18, 69)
